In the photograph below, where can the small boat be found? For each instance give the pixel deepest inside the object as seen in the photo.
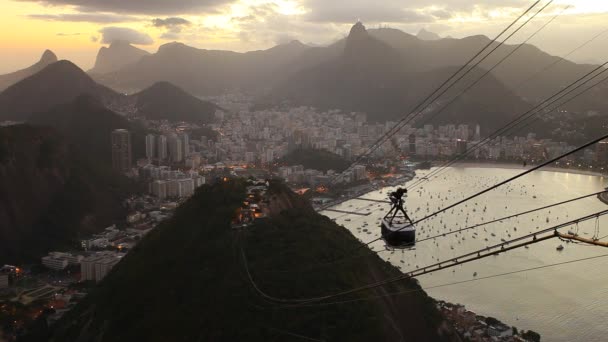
(560, 248)
(347, 220)
(475, 274)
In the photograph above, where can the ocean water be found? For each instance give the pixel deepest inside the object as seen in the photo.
(565, 303)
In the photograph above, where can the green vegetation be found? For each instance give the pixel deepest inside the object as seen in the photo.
(88, 125)
(321, 160)
(52, 193)
(164, 101)
(531, 336)
(187, 281)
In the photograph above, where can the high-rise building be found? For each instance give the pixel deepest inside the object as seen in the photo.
(185, 144)
(150, 146)
(412, 141)
(161, 150)
(121, 150)
(601, 152)
(176, 151)
(461, 146)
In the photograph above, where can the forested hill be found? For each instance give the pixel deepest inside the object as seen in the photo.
(51, 194)
(186, 281)
(315, 159)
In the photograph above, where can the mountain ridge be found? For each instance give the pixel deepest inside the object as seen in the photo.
(116, 56)
(48, 57)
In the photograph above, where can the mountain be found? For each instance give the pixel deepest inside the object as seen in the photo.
(58, 83)
(50, 193)
(87, 123)
(203, 72)
(370, 76)
(525, 72)
(48, 57)
(190, 277)
(427, 35)
(164, 101)
(116, 56)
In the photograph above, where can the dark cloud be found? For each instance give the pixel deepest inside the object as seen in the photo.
(173, 27)
(349, 11)
(170, 22)
(397, 11)
(140, 6)
(103, 18)
(111, 34)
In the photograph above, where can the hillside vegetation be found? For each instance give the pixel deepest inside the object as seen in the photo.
(316, 159)
(187, 281)
(51, 194)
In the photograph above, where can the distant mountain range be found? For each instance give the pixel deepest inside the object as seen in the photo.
(382, 72)
(56, 84)
(370, 76)
(423, 34)
(116, 56)
(51, 193)
(48, 57)
(202, 72)
(425, 57)
(62, 82)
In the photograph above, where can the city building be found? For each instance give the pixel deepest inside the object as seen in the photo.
(3, 280)
(176, 150)
(150, 146)
(121, 150)
(601, 152)
(59, 261)
(97, 266)
(161, 149)
(185, 139)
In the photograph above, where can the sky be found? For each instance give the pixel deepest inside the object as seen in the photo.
(76, 29)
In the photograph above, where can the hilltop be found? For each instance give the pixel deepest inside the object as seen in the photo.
(165, 101)
(186, 281)
(56, 84)
(50, 193)
(48, 57)
(116, 56)
(88, 125)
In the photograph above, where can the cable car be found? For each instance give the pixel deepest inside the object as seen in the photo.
(397, 228)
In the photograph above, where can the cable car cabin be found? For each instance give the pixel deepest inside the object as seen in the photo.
(398, 230)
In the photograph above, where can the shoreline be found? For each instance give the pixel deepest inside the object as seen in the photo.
(517, 166)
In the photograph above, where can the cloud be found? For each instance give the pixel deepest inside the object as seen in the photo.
(103, 18)
(173, 27)
(170, 22)
(342, 11)
(139, 6)
(398, 11)
(110, 34)
(61, 34)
